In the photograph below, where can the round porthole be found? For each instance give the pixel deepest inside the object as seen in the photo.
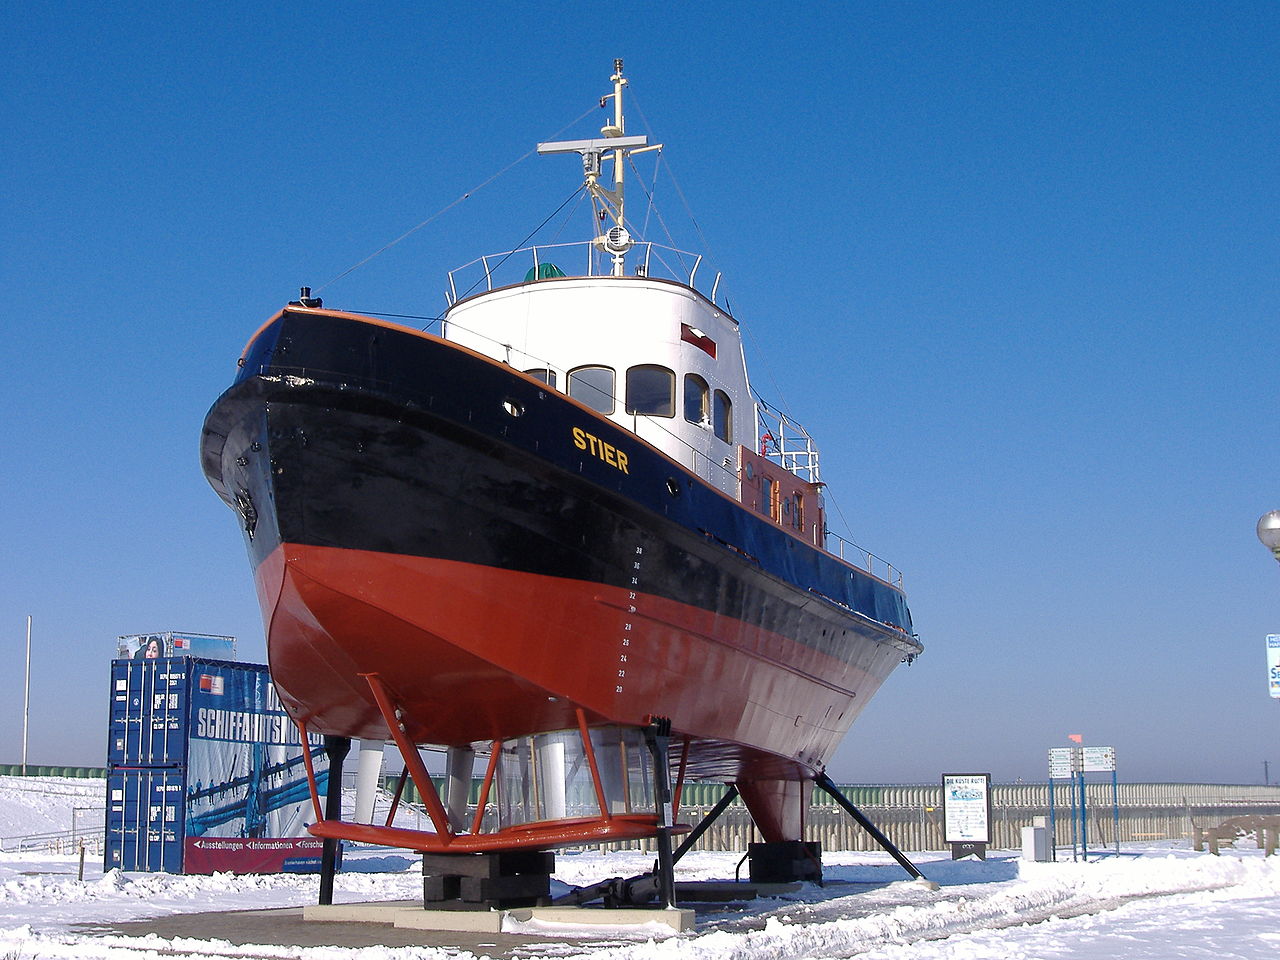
(750, 473)
(673, 487)
(513, 407)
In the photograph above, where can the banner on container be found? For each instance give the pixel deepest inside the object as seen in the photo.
(246, 776)
(207, 771)
(1273, 664)
(966, 813)
(156, 646)
(253, 854)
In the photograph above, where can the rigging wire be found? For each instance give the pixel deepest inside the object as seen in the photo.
(676, 183)
(527, 238)
(400, 316)
(706, 244)
(653, 208)
(441, 212)
(572, 213)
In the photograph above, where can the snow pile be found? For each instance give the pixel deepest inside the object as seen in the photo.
(1155, 902)
(862, 910)
(43, 805)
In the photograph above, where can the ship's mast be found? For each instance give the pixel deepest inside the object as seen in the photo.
(616, 239)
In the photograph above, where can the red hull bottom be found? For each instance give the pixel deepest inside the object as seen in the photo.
(472, 653)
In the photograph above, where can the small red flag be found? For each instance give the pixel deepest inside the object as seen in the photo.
(699, 339)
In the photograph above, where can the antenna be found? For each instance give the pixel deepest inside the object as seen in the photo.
(614, 239)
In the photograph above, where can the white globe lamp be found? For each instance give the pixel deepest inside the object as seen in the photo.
(1269, 532)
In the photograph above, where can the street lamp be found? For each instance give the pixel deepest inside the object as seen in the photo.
(1269, 532)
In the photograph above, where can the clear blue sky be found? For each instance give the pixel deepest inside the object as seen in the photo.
(1014, 266)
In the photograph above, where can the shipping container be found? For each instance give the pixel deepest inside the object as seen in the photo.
(145, 813)
(206, 770)
(149, 710)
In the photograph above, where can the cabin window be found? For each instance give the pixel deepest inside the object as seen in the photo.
(542, 373)
(723, 416)
(767, 487)
(593, 386)
(651, 391)
(797, 511)
(697, 399)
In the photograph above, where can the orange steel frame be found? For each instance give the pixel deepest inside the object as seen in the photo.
(542, 835)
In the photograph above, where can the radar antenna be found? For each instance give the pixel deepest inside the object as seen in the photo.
(614, 238)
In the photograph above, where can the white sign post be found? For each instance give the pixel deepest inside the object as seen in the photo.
(1071, 764)
(966, 813)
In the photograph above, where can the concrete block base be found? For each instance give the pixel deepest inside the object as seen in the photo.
(678, 920)
(383, 912)
(409, 915)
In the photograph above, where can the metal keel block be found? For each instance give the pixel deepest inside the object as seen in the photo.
(785, 861)
(477, 881)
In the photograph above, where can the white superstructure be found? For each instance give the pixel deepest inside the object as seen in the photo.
(596, 321)
(652, 355)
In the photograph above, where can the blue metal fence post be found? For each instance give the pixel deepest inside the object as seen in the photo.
(1115, 806)
(1084, 821)
(1075, 821)
(1053, 824)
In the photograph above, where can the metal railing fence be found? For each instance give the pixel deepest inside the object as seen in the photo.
(911, 816)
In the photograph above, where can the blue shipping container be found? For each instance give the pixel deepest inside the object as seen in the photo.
(149, 706)
(202, 751)
(146, 810)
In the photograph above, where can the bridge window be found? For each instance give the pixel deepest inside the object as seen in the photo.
(651, 391)
(697, 397)
(542, 373)
(723, 416)
(593, 386)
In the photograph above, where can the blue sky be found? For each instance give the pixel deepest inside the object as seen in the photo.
(1014, 267)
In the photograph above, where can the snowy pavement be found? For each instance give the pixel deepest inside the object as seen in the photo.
(1154, 901)
(1157, 902)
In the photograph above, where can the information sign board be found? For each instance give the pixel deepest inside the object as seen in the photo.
(1273, 664)
(1098, 759)
(966, 807)
(1063, 762)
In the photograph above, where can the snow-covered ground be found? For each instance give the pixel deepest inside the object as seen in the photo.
(1152, 901)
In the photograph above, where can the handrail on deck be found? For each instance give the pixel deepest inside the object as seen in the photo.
(864, 558)
(503, 269)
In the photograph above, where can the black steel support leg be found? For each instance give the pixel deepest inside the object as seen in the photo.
(658, 737)
(336, 748)
(638, 890)
(707, 821)
(833, 791)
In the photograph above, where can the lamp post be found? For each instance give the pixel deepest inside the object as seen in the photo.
(26, 700)
(1269, 532)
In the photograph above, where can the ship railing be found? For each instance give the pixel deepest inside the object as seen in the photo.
(860, 557)
(551, 260)
(786, 443)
